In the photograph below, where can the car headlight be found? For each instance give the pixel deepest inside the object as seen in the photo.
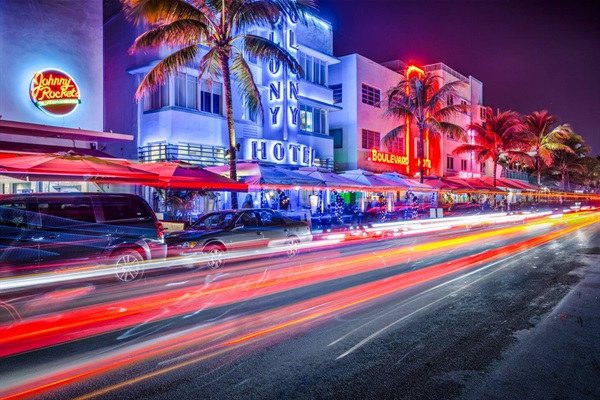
(189, 245)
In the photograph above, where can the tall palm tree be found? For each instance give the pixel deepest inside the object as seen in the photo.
(213, 34)
(546, 138)
(499, 137)
(568, 162)
(419, 100)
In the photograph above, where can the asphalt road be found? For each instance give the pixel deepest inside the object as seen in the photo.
(525, 325)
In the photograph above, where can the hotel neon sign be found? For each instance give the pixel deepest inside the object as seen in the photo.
(54, 92)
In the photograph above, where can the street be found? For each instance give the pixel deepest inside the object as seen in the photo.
(442, 315)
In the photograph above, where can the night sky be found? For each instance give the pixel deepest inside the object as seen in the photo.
(530, 55)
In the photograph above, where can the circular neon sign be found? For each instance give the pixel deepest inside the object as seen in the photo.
(54, 92)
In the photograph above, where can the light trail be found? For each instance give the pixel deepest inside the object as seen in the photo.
(250, 329)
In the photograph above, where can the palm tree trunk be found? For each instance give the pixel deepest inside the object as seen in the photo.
(495, 168)
(224, 60)
(421, 154)
(539, 173)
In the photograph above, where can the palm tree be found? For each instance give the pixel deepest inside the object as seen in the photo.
(499, 137)
(591, 176)
(418, 100)
(567, 162)
(213, 34)
(546, 138)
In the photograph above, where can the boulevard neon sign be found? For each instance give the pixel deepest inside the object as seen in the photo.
(388, 158)
(54, 92)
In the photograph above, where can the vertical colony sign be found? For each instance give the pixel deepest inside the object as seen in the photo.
(54, 92)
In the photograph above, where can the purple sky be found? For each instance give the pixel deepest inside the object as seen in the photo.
(530, 55)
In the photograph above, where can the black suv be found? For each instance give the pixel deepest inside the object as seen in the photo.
(56, 231)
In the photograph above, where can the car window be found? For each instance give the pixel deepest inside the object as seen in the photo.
(76, 209)
(214, 221)
(268, 218)
(249, 219)
(14, 215)
(118, 208)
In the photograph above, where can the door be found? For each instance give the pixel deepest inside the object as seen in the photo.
(69, 235)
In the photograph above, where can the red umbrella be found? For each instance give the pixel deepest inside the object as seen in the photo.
(71, 166)
(177, 175)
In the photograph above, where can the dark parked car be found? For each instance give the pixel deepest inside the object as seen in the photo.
(54, 231)
(216, 233)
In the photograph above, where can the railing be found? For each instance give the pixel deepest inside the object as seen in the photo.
(513, 174)
(203, 155)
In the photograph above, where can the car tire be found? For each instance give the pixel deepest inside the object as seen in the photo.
(216, 256)
(128, 264)
(291, 247)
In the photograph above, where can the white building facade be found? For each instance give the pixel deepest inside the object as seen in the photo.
(360, 86)
(185, 118)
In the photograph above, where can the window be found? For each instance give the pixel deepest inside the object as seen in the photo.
(338, 138)
(463, 165)
(337, 93)
(159, 97)
(315, 70)
(210, 97)
(186, 91)
(449, 162)
(482, 169)
(397, 146)
(116, 209)
(313, 119)
(465, 105)
(370, 95)
(482, 113)
(247, 114)
(370, 139)
(450, 100)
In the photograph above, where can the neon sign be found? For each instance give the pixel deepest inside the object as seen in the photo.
(54, 92)
(279, 152)
(388, 158)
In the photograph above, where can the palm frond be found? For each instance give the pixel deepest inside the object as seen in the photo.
(155, 12)
(168, 66)
(248, 90)
(177, 34)
(393, 135)
(266, 50)
(209, 67)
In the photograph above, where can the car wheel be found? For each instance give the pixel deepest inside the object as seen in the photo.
(216, 256)
(291, 247)
(129, 265)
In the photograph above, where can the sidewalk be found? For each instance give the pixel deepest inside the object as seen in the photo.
(559, 358)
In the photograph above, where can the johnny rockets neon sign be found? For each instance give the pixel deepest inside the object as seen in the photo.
(54, 92)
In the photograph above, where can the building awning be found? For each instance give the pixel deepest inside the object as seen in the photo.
(49, 131)
(35, 148)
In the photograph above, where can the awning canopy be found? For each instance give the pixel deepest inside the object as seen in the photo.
(72, 167)
(403, 181)
(331, 179)
(369, 179)
(183, 176)
(262, 175)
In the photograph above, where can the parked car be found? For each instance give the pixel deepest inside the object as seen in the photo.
(220, 232)
(56, 231)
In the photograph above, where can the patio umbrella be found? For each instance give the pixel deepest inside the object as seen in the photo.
(71, 166)
(368, 178)
(331, 179)
(182, 176)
